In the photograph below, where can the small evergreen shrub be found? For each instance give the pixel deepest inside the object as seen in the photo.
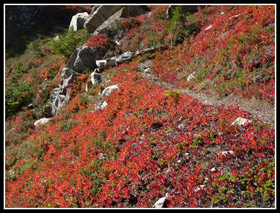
(68, 42)
(181, 26)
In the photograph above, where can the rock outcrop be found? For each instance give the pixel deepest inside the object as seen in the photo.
(107, 26)
(87, 58)
(59, 98)
(82, 59)
(100, 14)
(57, 101)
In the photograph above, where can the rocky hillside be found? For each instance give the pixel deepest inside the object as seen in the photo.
(142, 107)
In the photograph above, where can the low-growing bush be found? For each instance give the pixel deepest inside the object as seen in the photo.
(68, 42)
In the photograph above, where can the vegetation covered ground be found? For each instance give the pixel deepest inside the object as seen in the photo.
(148, 141)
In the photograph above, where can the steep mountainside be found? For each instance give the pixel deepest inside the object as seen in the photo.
(144, 107)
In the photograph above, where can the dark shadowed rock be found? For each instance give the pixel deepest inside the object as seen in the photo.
(82, 58)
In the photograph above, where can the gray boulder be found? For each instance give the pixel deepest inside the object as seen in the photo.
(94, 8)
(101, 64)
(95, 78)
(82, 58)
(109, 27)
(111, 61)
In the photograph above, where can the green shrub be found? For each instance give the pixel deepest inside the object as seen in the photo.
(68, 42)
(17, 96)
(182, 26)
(37, 46)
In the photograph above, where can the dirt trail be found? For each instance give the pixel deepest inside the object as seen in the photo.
(260, 110)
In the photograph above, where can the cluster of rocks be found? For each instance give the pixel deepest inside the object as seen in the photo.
(59, 98)
(82, 59)
(85, 57)
(101, 19)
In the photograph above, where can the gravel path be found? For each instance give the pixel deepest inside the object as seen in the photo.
(260, 110)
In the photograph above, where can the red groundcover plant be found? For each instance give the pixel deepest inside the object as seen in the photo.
(98, 40)
(233, 53)
(149, 141)
(145, 143)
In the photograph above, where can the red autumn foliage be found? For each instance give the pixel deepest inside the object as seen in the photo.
(149, 141)
(235, 49)
(98, 40)
(134, 151)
